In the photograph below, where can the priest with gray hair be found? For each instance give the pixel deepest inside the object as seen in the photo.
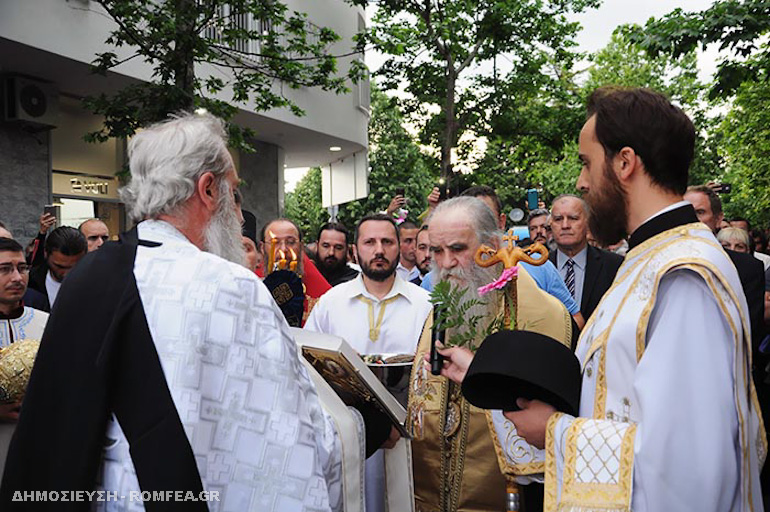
(186, 379)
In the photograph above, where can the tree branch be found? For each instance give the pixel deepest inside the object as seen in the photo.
(135, 38)
(425, 15)
(471, 56)
(228, 49)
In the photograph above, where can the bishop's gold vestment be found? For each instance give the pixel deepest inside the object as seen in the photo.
(457, 465)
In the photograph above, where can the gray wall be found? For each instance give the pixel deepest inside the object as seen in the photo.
(262, 172)
(25, 185)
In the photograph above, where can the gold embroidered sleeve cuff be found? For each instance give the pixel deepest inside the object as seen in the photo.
(589, 464)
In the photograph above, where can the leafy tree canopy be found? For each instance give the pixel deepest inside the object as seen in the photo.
(533, 141)
(444, 54)
(737, 26)
(395, 161)
(745, 143)
(197, 49)
(303, 205)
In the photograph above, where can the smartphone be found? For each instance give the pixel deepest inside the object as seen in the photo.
(532, 199)
(401, 192)
(49, 209)
(724, 188)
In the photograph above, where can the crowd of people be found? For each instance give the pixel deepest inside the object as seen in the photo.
(174, 342)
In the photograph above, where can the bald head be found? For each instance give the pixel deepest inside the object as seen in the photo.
(569, 224)
(96, 233)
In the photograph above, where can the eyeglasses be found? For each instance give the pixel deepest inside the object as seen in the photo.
(94, 238)
(8, 268)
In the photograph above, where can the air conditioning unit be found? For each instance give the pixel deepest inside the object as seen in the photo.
(30, 101)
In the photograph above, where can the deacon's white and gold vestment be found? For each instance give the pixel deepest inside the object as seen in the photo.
(463, 456)
(669, 419)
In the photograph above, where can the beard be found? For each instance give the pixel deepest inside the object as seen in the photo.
(424, 267)
(330, 264)
(378, 274)
(473, 279)
(608, 219)
(222, 236)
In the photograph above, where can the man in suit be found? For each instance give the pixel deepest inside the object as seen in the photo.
(587, 271)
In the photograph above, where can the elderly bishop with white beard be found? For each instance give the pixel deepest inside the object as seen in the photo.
(465, 458)
(185, 382)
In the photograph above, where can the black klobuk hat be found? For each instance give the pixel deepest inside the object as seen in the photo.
(523, 364)
(249, 228)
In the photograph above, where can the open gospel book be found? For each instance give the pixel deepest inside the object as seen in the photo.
(342, 367)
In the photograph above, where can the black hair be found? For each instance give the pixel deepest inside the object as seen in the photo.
(67, 240)
(10, 245)
(335, 226)
(378, 217)
(485, 191)
(659, 132)
(742, 219)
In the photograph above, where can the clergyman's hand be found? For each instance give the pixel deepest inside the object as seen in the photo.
(9, 413)
(392, 440)
(456, 362)
(531, 421)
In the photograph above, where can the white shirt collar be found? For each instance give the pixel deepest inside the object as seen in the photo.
(400, 287)
(668, 208)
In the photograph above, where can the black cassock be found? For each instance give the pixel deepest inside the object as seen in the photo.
(97, 357)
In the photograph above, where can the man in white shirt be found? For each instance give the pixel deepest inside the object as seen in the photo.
(376, 313)
(407, 266)
(17, 322)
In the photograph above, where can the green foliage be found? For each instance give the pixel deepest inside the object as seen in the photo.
(745, 142)
(394, 161)
(737, 26)
(174, 38)
(737, 150)
(303, 206)
(453, 315)
(534, 143)
(623, 62)
(439, 52)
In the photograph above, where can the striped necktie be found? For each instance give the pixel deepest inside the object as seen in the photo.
(569, 279)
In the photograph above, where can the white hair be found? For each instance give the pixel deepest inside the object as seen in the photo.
(167, 159)
(482, 218)
(222, 235)
(733, 234)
